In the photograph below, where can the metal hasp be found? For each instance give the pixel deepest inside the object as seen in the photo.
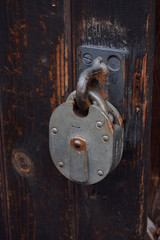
(113, 86)
(98, 66)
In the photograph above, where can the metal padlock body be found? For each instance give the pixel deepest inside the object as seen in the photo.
(104, 145)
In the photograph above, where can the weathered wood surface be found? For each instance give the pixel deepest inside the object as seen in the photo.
(37, 42)
(116, 207)
(35, 58)
(154, 190)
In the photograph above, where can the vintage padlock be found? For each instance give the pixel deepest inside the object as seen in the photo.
(86, 148)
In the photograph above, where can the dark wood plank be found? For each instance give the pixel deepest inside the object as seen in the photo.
(35, 77)
(4, 226)
(116, 208)
(154, 190)
(4, 217)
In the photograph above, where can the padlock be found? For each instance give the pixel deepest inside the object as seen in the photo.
(85, 149)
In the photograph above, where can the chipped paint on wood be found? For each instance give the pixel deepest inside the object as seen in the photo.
(60, 79)
(140, 85)
(144, 76)
(58, 76)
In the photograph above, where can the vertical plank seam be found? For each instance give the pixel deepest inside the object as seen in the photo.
(69, 40)
(4, 178)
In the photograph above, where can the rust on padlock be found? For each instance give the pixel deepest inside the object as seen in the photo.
(78, 144)
(78, 160)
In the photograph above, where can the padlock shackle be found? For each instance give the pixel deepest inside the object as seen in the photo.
(84, 82)
(93, 96)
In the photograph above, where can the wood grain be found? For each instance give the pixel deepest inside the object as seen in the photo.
(35, 78)
(116, 208)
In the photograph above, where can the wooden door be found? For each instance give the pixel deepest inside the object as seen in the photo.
(38, 69)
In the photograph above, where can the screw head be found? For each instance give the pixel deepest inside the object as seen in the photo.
(54, 131)
(61, 164)
(105, 138)
(114, 63)
(100, 172)
(87, 58)
(99, 124)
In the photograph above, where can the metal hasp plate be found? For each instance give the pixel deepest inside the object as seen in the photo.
(113, 86)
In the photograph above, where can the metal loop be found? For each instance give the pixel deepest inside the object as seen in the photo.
(93, 96)
(84, 82)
